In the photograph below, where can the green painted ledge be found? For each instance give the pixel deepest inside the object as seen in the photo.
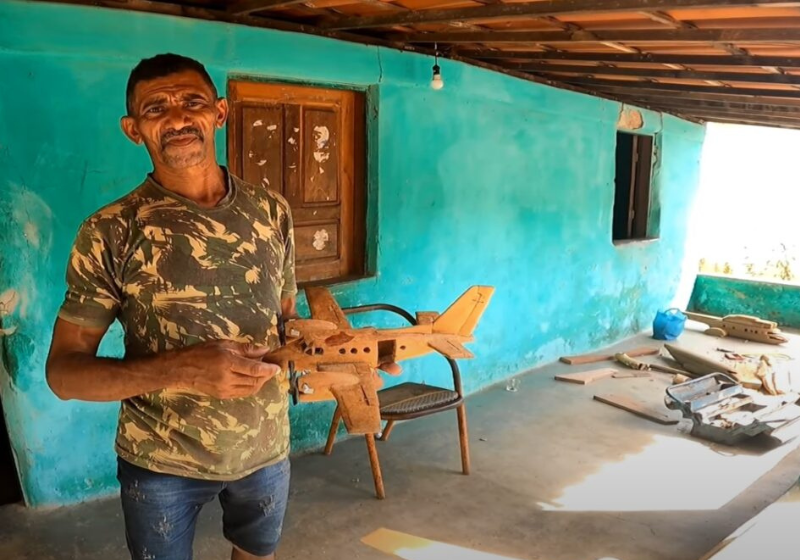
(723, 295)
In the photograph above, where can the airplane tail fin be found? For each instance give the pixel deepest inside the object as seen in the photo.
(463, 315)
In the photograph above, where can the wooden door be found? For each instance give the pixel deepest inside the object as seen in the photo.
(307, 144)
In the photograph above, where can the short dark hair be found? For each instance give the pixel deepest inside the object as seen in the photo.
(159, 66)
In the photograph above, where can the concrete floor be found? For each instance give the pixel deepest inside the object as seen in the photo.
(556, 476)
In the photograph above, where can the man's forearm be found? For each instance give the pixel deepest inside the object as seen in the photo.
(88, 378)
(289, 307)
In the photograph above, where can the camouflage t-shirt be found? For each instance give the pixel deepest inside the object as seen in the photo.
(176, 274)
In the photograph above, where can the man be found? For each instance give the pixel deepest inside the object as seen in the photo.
(198, 267)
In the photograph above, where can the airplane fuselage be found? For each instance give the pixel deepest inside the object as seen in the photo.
(369, 346)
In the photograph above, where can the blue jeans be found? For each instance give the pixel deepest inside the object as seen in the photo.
(161, 510)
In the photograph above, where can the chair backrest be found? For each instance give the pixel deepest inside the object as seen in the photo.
(412, 321)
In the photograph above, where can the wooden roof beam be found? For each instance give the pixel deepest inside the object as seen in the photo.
(537, 9)
(689, 102)
(575, 28)
(735, 120)
(659, 98)
(631, 87)
(761, 35)
(655, 73)
(699, 106)
(644, 58)
(701, 113)
(244, 7)
(666, 19)
(678, 103)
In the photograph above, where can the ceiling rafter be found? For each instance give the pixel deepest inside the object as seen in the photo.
(630, 85)
(696, 105)
(615, 58)
(537, 9)
(643, 58)
(657, 73)
(758, 35)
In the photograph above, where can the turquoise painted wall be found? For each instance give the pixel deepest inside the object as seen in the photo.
(723, 295)
(492, 180)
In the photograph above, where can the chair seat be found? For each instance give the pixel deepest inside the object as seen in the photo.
(408, 400)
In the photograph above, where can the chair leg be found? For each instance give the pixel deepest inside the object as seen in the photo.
(464, 438)
(376, 467)
(337, 417)
(387, 430)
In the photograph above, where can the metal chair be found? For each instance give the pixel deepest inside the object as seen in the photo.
(407, 401)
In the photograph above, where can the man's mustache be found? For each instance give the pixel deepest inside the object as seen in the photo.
(185, 130)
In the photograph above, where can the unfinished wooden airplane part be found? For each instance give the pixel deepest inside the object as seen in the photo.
(327, 359)
(741, 326)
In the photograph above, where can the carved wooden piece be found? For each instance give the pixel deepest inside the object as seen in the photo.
(741, 326)
(627, 361)
(592, 358)
(636, 407)
(586, 377)
(377, 476)
(337, 362)
(337, 417)
(358, 404)
(463, 438)
(387, 430)
(697, 363)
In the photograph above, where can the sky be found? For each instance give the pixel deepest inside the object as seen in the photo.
(748, 204)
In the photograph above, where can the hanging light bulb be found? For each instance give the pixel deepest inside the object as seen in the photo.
(437, 82)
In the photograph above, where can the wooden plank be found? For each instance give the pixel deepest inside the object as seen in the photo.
(761, 78)
(736, 120)
(746, 118)
(637, 36)
(636, 407)
(592, 358)
(249, 6)
(753, 118)
(535, 9)
(633, 95)
(630, 87)
(673, 102)
(586, 377)
(631, 374)
(643, 58)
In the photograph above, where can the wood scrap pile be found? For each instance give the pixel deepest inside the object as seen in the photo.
(633, 368)
(770, 373)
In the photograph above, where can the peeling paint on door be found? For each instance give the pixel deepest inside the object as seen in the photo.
(320, 239)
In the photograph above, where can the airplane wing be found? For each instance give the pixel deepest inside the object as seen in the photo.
(450, 348)
(325, 308)
(358, 403)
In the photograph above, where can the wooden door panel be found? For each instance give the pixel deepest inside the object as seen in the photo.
(315, 214)
(293, 166)
(317, 241)
(303, 143)
(262, 145)
(321, 169)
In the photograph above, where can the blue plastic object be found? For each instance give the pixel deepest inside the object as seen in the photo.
(668, 325)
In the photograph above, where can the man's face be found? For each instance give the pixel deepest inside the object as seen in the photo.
(175, 117)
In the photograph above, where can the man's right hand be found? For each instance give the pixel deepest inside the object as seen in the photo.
(222, 369)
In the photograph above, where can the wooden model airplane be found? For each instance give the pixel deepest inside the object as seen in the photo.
(741, 326)
(327, 359)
